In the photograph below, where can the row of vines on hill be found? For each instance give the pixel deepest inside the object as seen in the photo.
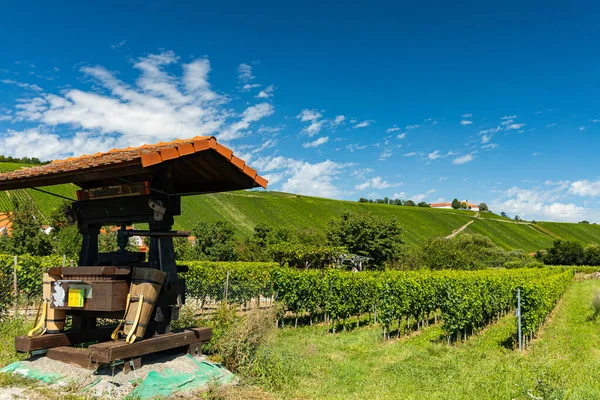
(538, 298)
(468, 300)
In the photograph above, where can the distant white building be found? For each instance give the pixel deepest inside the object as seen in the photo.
(470, 206)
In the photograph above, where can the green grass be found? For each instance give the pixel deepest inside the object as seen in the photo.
(583, 233)
(564, 360)
(246, 209)
(511, 236)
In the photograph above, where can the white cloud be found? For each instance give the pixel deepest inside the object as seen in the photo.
(270, 129)
(537, 203)
(536, 154)
(417, 198)
(251, 114)
(467, 115)
(385, 154)
(361, 172)
(582, 128)
(510, 127)
(486, 138)
(159, 107)
(551, 125)
(245, 73)
(249, 86)
(491, 130)
(401, 136)
(317, 122)
(309, 115)
(363, 124)
(508, 121)
(411, 154)
(392, 129)
(19, 144)
(118, 45)
(338, 120)
(355, 147)
(375, 183)
(401, 195)
(464, 159)
(466, 122)
(302, 177)
(585, 188)
(316, 143)
(23, 85)
(412, 126)
(266, 92)
(434, 155)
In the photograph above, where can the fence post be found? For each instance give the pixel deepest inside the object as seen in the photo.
(15, 285)
(64, 264)
(519, 319)
(226, 286)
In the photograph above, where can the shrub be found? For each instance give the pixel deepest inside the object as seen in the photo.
(239, 344)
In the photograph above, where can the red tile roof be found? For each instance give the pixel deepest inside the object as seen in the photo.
(440, 205)
(5, 224)
(138, 160)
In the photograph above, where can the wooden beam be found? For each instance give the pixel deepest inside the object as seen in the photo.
(26, 344)
(107, 352)
(71, 355)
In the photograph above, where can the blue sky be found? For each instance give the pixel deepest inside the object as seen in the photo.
(430, 101)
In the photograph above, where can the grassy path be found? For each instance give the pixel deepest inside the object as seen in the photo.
(563, 362)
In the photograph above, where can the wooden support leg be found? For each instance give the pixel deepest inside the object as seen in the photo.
(195, 349)
(132, 364)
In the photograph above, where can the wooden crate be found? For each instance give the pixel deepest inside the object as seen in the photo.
(106, 287)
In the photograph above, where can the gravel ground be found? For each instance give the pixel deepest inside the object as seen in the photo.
(107, 382)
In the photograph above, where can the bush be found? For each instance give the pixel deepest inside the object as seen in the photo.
(365, 235)
(239, 345)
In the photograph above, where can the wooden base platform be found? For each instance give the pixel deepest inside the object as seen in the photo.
(59, 347)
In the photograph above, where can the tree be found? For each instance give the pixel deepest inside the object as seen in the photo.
(483, 207)
(65, 236)
(563, 252)
(365, 235)
(517, 218)
(423, 204)
(214, 241)
(410, 203)
(503, 214)
(27, 236)
(455, 204)
(584, 222)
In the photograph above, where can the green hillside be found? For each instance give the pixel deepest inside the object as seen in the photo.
(248, 208)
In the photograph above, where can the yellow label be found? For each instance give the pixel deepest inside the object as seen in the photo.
(76, 297)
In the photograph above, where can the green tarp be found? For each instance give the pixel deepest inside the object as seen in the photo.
(18, 368)
(156, 385)
(159, 385)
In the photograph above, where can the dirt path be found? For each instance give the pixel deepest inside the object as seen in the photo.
(459, 230)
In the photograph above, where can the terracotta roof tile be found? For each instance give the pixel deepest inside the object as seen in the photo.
(147, 155)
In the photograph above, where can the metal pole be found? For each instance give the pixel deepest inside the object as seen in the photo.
(226, 285)
(519, 318)
(15, 285)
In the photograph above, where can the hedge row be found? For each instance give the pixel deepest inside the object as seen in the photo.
(468, 300)
(539, 296)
